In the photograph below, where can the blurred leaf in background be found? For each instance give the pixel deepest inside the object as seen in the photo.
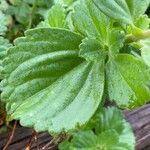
(24, 14)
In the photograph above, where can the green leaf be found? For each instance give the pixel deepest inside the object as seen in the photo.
(145, 50)
(4, 45)
(110, 140)
(108, 119)
(3, 5)
(56, 16)
(86, 140)
(115, 41)
(89, 21)
(123, 10)
(65, 2)
(65, 145)
(3, 23)
(128, 81)
(111, 118)
(116, 9)
(28, 13)
(92, 23)
(112, 133)
(140, 7)
(142, 22)
(59, 15)
(91, 50)
(21, 10)
(47, 85)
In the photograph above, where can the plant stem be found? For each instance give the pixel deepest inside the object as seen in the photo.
(11, 136)
(32, 14)
(55, 139)
(134, 38)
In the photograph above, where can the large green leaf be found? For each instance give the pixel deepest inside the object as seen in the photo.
(89, 21)
(116, 9)
(47, 85)
(123, 10)
(112, 133)
(128, 80)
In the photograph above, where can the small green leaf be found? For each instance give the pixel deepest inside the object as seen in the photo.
(115, 41)
(108, 119)
(64, 2)
(56, 16)
(65, 145)
(110, 140)
(112, 133)
(142, 22)
(145, 50)
(46, 81)
(89, 21)
(86, 140)
(21, 10)
(91, 50)
(111, 118)
(128, 81)
(59, 15)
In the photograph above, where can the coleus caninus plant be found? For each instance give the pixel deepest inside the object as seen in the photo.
(56, 78)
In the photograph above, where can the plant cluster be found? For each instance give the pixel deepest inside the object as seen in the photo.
(58, 77)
